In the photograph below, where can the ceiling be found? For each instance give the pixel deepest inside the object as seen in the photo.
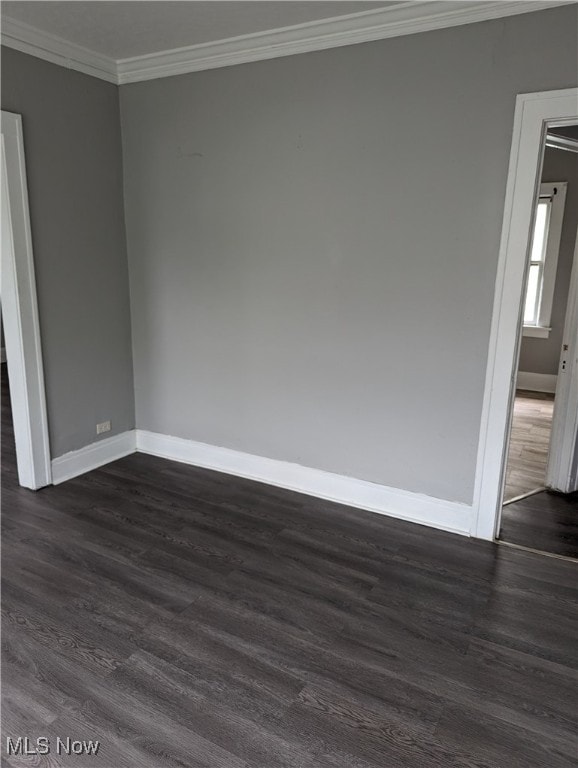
(125, 42)
(122, 30)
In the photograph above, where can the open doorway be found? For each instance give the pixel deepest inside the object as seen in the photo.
(532, 515)
(534, 117)
(24, 368)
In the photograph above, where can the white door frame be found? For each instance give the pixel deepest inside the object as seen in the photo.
(20, 314)
(559, 474)
(534, 113)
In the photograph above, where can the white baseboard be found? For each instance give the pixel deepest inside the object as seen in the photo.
(450, 516)
(92, 456)
(426, 510)
(536, 382)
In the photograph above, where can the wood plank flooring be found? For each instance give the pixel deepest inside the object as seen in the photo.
(545, 521)
(187, 618)
(529, 443)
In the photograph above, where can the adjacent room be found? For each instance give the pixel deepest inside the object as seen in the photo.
(290, 319)
(532, 515)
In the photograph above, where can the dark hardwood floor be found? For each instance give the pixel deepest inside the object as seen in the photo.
(545, 521)
(187, 618)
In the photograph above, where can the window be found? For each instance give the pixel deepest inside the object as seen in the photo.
(537, 259)
(544, 259)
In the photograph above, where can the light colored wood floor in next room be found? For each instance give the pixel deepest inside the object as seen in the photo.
(529, 443)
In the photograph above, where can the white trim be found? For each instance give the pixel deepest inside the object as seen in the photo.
(414, 507)
(525, 495)
(405, 18)
(57, 50)
(536, 382)
(533, 113)
(20, 314)
(92, 456)
(536, 331)
(425, 510)
(561, 142)
(394, 21)
(562, 465)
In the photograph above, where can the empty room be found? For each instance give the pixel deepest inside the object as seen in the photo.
(283, 334)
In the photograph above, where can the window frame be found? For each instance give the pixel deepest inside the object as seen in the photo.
(556, 192)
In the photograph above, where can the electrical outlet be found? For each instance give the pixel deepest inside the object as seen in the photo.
(104, 426)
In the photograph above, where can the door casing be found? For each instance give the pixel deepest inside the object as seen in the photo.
(20, 314)
(534, 114)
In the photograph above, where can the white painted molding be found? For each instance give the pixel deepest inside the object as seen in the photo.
(536, 382)
(417, 508)
(534, 113)
(536, 331)
(20, 314)
(562, 142)
(92, 456)
(29, 39)
(414, 507)
(562, 469)
(405, 18)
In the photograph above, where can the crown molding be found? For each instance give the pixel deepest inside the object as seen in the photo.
(393, 21)
(404, 18)
(28, 39)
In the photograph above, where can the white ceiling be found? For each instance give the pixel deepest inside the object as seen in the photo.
(124, 29)
(126, 42)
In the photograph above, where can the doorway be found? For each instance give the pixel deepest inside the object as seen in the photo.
(536, 115)
(532, 516)
(20, 314)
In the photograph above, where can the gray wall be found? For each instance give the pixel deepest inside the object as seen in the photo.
(313, 245)
(74, 165)
(543, 355)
